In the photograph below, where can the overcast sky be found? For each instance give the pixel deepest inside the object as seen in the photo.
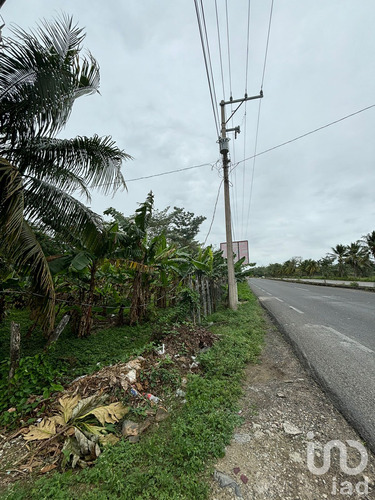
(307, 196)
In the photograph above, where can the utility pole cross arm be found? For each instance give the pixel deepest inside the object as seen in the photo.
(246, 98)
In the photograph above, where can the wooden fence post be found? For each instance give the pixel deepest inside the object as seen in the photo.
(15, 345)
(58, 330)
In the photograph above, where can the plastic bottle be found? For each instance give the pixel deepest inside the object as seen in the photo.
(152, 398)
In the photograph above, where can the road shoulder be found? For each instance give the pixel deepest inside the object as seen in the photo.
(284, 411)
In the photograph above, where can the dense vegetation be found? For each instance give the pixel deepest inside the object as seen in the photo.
(354, 261)
(171, 461)
(57, 255)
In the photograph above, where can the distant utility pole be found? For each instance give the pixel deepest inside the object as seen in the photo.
(224, 150)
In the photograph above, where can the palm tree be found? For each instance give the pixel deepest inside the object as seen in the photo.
(369, 241)
(41, 75)
(309, 267)
(339, 253)
(357, 258)
(291, 266)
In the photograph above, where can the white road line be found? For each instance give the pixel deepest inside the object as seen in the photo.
(297, 310)
(300, 288)
(278, 299)
(345, 340)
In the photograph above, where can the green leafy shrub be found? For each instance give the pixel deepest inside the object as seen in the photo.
(35, 375)
(354, 284)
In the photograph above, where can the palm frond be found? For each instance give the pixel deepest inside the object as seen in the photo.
(87, 76)
(55, 209)
(61, 36)
(41, 76)
(11, 201)
(27, 254)
(96, 160)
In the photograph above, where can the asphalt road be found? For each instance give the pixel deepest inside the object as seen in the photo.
(333, 331)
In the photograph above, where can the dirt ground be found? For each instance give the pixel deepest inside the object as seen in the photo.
(283, 412)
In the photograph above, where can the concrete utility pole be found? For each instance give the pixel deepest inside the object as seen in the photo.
(224, 150)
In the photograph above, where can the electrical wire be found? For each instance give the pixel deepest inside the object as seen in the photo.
(245, 116)
(253, 169)
(244, 172)
(209, 60)
(214, 212)
(267, 44)
(157, 175)
(220, 53)
(233, 178)
(210, 84)
(304, 135)
(247, 45)
(258, 118)
(228, 48)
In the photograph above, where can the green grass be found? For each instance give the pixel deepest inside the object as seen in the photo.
(41, 373)
(106, 346)
(174, 460)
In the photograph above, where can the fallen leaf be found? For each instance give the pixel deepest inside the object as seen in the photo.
(44, 430)
(85, 406)
(244, 478)
(111, 413)
(47, 468)
(67, 405)
(58, 419)
(96, 430)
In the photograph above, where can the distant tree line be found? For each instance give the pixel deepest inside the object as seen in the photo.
(356, 260)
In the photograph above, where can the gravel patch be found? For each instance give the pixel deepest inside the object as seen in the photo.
(285, 413)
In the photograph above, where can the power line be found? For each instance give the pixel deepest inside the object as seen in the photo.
(170, 172)
(210, 84)
(157, 175)
(304, 135)
(209, 59)
(235, 164)
(219, 42)
(214, 213)
(268, 40)
(258, 118)
(253, 170)
(243, 172)
(245, 116)
(228, 47)
(247, 46)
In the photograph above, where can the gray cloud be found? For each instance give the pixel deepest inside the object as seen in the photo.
(306, 196)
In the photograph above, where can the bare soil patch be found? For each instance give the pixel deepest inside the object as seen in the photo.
(267, 457)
